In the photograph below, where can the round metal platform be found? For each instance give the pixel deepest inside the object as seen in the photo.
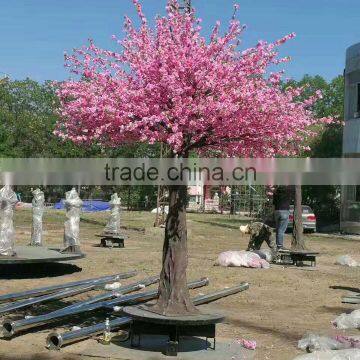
(142, 314)
(145, 322)
(38, 254)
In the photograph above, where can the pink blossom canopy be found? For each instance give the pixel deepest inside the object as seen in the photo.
(170, 85)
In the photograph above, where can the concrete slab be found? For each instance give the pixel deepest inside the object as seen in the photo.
(190, 348)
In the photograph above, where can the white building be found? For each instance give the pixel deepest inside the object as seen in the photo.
(350, 212)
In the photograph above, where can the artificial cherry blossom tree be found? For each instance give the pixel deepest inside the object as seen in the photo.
(169, 84)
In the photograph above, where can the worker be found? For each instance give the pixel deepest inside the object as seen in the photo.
(283, 197)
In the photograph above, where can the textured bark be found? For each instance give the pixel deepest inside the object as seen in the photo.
(298, 240)
(174, 298)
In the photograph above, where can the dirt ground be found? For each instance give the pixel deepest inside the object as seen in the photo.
(282, 304)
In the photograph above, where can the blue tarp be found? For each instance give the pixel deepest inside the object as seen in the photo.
(88, 205)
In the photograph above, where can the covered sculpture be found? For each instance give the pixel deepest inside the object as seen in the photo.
(37, 215)
(113, 225)
(73, 205)
(8, 201)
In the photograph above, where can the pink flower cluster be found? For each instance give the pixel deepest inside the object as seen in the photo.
(168, 84)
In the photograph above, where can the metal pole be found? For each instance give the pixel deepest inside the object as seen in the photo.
(53, 288)
(123, 290)
(52, 296)
(59, 295)
(55, 341)
(11, 328)
(204, 299)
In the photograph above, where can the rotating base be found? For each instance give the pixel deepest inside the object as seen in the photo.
(38, 254)
(145, 322)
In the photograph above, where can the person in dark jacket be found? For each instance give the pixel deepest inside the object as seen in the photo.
(283, 197)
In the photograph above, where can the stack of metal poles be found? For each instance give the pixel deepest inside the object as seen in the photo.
(53, 288)
(56, 340)
(10, 327)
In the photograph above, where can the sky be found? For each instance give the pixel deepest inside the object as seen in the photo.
(35, 33)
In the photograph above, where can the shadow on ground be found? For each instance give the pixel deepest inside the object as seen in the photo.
(282, 334)
(36, 271)
(154, 343)
(348, 288)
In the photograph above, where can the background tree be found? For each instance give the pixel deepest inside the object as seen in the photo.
(28, 114)
(325, 199)
(170, 85)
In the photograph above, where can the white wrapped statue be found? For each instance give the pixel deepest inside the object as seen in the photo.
(73, 205)
(8, 201)
(113, 225)
(37, 215)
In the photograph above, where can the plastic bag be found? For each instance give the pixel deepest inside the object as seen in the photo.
(73, 206)
(248, 344)
(241, 258)
(347, 354)
(113, 286)
(113, 224)
(348, 321)
(265, 254)
(311, 342)
(37, 215)
(8, 201)
(346, 260)
(349, 341)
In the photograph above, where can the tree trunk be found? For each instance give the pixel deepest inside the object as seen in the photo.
(298, 241)
(174, 298)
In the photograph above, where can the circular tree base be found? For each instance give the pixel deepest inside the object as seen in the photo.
(145, 322)
(38, 254)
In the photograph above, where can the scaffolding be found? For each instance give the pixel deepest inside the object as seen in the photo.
(250, 200)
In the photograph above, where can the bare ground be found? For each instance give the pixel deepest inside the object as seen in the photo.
(281, 305)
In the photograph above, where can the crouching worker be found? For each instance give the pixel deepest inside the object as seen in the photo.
(260, 232)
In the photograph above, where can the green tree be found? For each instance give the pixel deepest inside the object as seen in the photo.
(325, 200)
(27, 120)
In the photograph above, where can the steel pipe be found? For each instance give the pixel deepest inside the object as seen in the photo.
(11, 328)
(37, 300)
(55, 341)
(123, 290)
(58, 295)
(53, 288)
(204, 299)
